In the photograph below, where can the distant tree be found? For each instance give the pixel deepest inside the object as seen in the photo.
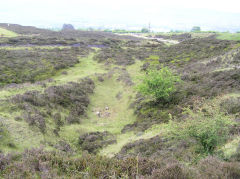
(196, 29)
(145, 30)
(67, 27)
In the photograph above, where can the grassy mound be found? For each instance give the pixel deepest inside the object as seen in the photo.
(7, 33)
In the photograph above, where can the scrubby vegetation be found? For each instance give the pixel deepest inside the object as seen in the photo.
(93, 141)
(91, 104)
(209, 129)
(37, 106)
(38, 163)
(18, 66)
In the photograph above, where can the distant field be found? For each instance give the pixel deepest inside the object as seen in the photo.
(7, 33)
(229, 36)
(194, 34)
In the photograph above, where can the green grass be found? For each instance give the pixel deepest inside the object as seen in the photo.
(229, 36)
(7, 33)
(120, 114)
(19, 133)
(86, 67)
(230, 148)
(104, 95)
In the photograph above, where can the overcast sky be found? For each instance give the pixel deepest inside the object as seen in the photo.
(174, 13)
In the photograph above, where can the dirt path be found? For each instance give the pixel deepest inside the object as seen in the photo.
(153, 38)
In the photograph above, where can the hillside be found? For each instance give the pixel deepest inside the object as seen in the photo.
(70, 105)
(6, 33)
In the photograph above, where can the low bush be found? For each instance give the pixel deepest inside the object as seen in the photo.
(36, 119)
(93, 141)
(171, 171)
(208, 129)
(116, 55)
(232, 105)
(37, 106)
(212, 167)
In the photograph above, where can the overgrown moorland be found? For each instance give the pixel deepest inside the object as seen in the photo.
(78, 104)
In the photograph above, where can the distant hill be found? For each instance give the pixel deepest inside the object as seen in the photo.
(65, 34)
(24, 30)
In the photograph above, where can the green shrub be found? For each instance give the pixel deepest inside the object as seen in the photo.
(208, 130)
(159, 84)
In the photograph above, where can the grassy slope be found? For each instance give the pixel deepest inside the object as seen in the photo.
(24, 136)
(120, 113)
(229, 36)
(105, 93)
(7, 33)
(103, 96)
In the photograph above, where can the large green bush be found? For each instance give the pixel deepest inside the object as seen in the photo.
(159, 84)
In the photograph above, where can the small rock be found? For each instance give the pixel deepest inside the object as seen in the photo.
(100, 78)
(98, 113)
(64, 73)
